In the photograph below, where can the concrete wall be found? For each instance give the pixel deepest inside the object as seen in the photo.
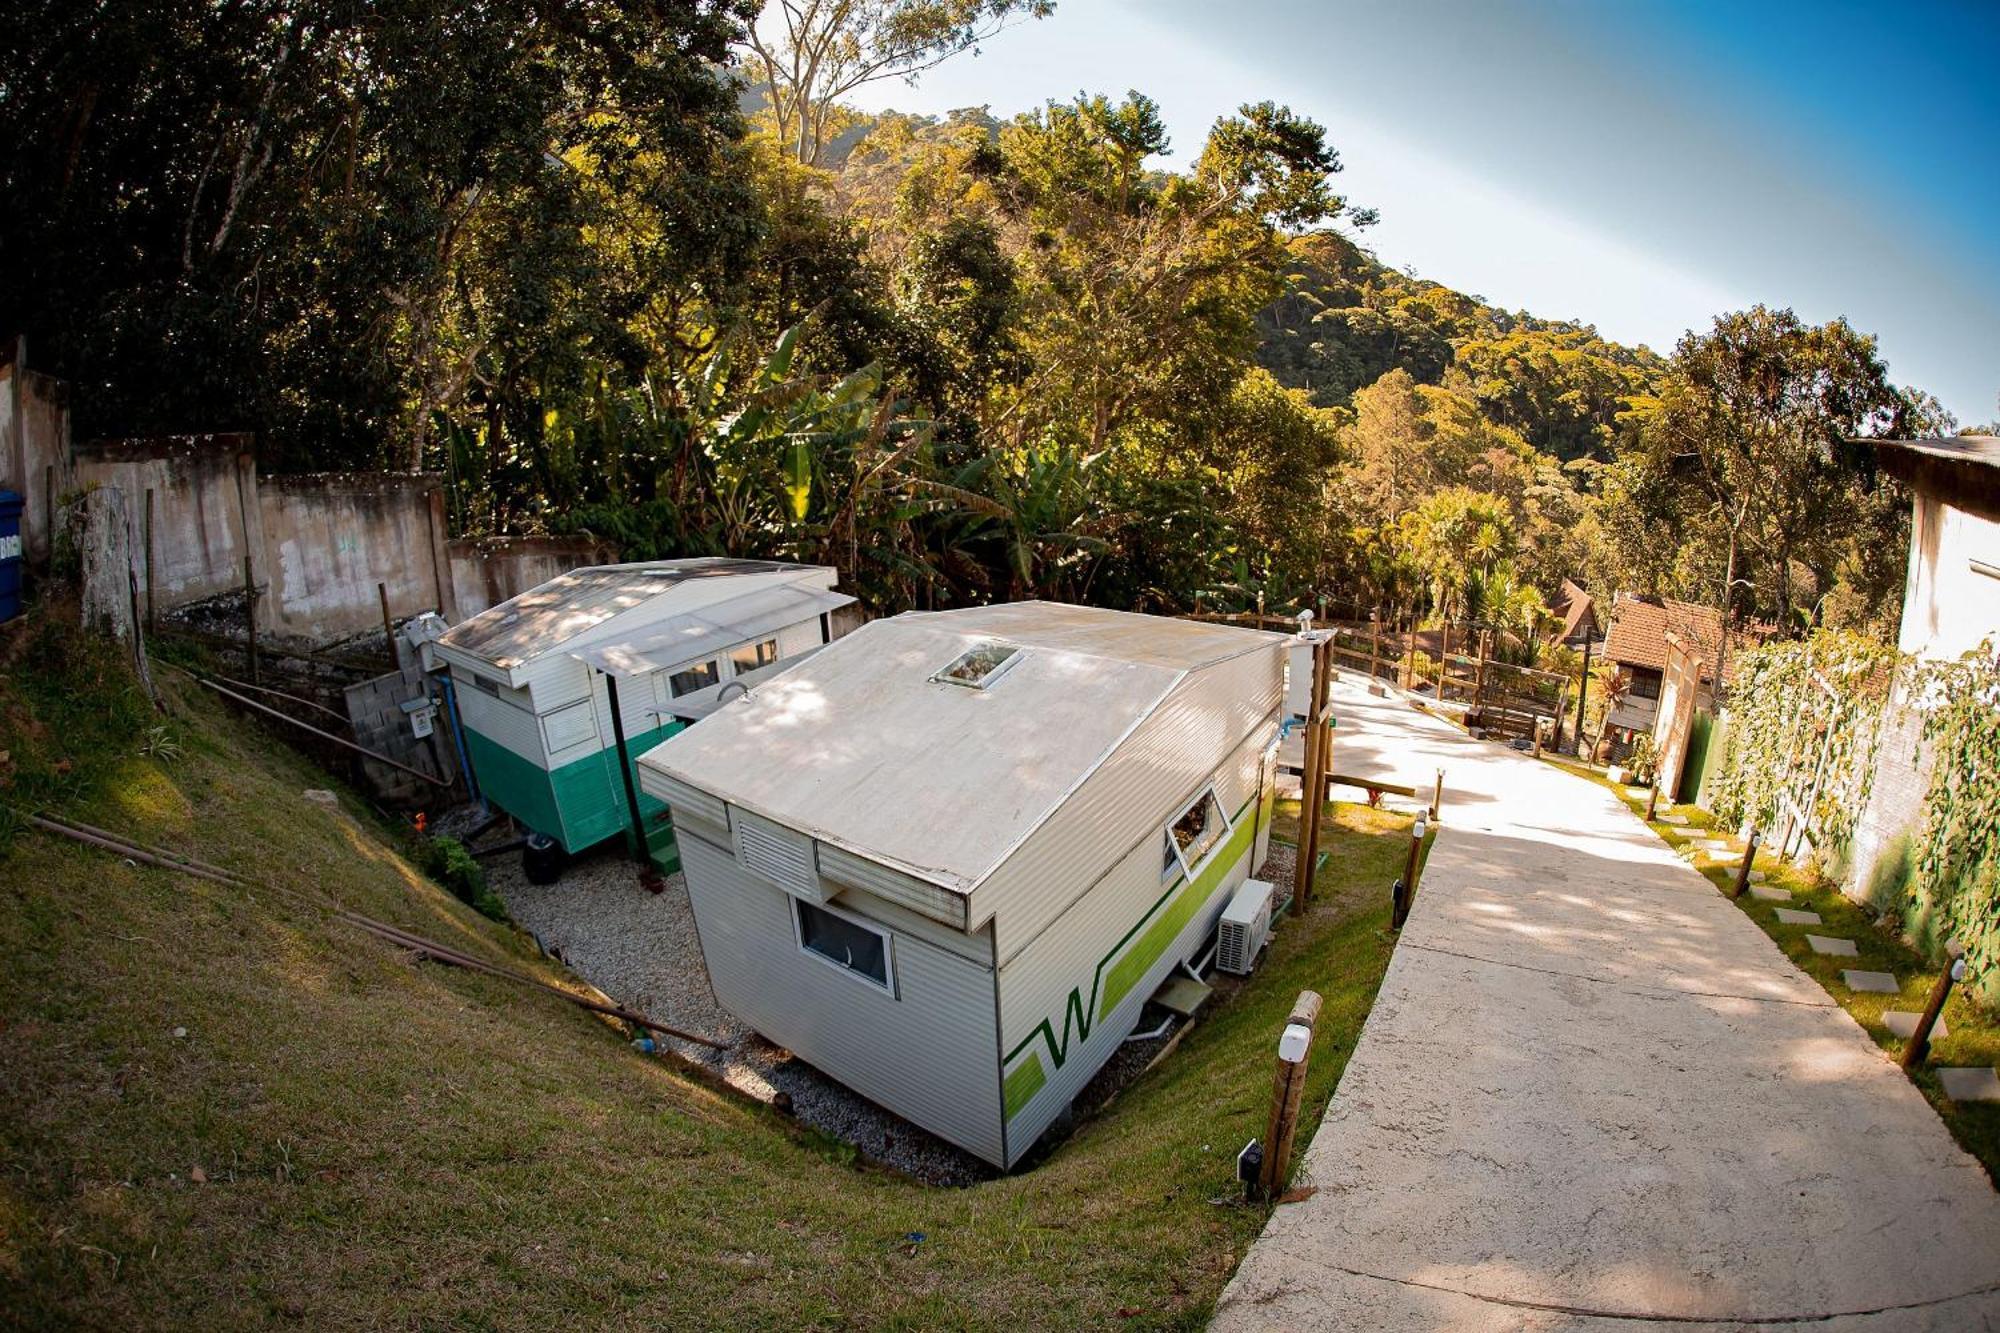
(1949, 606)
(330, 538)
(486, 572)
(205, 515)
(34, 437)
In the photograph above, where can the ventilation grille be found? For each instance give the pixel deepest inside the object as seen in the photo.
(1246, 923)
(777, 853)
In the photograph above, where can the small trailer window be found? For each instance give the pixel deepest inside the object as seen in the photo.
(697, 677)
(753, 655)
(1194, 834)
(979, 667)
(848, 944)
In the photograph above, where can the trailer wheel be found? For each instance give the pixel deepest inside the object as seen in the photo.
(542, 859)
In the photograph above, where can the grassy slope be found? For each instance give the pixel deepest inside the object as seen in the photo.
(387, 1142)
(1975, 1033)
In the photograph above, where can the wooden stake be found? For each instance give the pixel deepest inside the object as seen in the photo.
(1743, 871)
(1374, 642)
(388, 622)
(150, 621)
(1287, 1090)
(1444, 656)
(1437, 795)
(1920, 1040)
(250, 617)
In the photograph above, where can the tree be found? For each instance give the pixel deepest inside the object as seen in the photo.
(1749, 448)
(334, 223)
(809, 54)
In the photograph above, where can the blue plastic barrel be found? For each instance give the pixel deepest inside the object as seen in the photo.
(10, 554)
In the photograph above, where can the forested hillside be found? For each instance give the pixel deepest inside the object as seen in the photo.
(639, 270)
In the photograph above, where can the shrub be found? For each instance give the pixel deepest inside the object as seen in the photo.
(448, 862)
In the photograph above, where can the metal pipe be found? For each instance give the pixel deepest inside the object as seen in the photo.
(126, 850)
(290, 698)
(323, 735)
(45, 821)
(1160, 1031)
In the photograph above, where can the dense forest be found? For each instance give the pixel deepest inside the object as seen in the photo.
(635, 268)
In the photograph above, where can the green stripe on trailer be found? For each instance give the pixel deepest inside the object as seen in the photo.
(1155, 932)
(1027, 1079)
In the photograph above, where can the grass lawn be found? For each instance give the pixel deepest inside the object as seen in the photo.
(218, 1108)
(1975, 1032)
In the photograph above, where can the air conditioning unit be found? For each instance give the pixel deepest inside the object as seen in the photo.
(1246, 924)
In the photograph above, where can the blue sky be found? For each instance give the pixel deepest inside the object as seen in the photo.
(1639, 167)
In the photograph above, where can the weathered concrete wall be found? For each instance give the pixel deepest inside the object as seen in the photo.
(205, 515)
(34, 439)
(331, 538)
(487, 572)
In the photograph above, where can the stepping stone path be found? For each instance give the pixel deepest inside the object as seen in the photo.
(1673, 819)
(1759, 876)
(1769, 894)
(1842, 948)
(1789, 917)
(1903, 1023)
(1970, 1085)
(1881, 983)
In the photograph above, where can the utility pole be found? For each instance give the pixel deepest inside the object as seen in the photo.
(1583, 693)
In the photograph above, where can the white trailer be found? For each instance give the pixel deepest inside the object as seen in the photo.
(948, 859)
(535, 679)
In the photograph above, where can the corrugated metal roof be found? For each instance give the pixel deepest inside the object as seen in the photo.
(678, 640)
(550, 614)
(862, 748)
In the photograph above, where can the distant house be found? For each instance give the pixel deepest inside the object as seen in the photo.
(1951, 601)
(1636, 645)
(1577, 610)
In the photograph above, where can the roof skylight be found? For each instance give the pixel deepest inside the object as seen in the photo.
(977, 668)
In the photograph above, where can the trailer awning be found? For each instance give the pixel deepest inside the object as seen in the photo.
(696, 636)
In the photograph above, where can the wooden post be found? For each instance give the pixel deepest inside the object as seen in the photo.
(1374, 642)
(1444, 656)
(1479, 673)
(1288, 1088)
(1437, 795)
(389, 624)
(1653, 797)
(48, 516)
(250, 616)
(150, 622)
(1743, 871)
(1920, 1041)
(1312, 776)
(1313, 792)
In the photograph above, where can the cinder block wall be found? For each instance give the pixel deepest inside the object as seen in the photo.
(1877, 868)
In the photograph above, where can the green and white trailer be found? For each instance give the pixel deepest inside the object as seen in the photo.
(551, 686)
(948, 860)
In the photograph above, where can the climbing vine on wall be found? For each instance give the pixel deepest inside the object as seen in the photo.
(1804, 722)
(1955, 887)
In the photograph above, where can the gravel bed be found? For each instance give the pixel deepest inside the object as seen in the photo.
(641, 948)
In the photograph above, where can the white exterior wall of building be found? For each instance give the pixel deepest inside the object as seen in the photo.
(926, 1053)
(1060, 976)
(1949, 607)
(1160, 764)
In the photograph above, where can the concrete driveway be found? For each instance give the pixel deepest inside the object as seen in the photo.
(1592, 1094)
